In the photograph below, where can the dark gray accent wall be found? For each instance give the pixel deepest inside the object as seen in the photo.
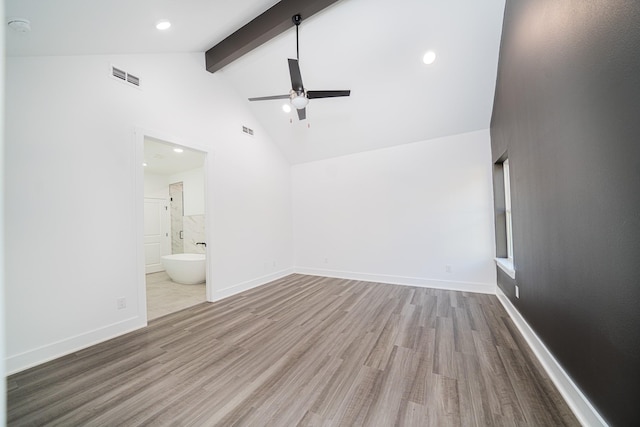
(567, 113)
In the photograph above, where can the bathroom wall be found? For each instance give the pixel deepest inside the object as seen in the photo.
(194, 231)
(156, 186)
(193, 221)
(70, 185)
(193, 190)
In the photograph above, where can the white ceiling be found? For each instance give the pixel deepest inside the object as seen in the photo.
(373, 47)
(81, 27)
(161, 159)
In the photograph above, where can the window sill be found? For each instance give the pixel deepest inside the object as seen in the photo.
(506, 265)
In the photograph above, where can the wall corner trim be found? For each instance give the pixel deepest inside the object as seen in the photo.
(577, 401)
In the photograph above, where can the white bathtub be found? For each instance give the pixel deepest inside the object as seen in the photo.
(188, 269)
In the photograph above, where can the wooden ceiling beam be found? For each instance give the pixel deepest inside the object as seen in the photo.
(266, 26)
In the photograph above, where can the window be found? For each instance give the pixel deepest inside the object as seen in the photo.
(507, 208)
(504, 228)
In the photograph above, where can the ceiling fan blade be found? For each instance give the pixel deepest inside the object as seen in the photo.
(314, 94)
(296, 77)
(267, 98)
(302, 113)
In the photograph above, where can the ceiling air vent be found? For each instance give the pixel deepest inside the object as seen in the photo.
(247, 130)
(123, 76)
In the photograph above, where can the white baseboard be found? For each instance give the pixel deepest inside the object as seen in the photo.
(46, 353)
(219, 294)
(481, 288)
(577, 401)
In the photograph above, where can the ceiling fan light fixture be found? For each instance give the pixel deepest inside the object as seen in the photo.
(299, 101)
(286, 108)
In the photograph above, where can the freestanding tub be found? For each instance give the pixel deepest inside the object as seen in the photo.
(188, 269)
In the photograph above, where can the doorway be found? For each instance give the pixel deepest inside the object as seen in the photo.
(174, 219)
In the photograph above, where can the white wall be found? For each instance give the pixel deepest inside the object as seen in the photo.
(73, 250)
(396, 215)
(3, 386)
(192, 190)
(400, 214)
(156, 186)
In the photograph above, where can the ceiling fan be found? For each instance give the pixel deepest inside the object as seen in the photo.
(298, 96)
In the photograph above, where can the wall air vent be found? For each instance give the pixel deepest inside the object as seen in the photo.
(133, 79)
(125, 77)
(247, 130)
(118, 73)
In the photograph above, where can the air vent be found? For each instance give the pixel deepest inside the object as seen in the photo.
(133, 79)
(123, 76)
(118, 73)
(247, 130)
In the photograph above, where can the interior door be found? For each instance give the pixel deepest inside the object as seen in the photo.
(156, 233)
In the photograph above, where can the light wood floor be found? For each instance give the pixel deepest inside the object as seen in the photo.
(303, 351)
(165, 296)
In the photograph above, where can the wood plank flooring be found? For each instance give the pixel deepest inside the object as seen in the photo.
(303, 351)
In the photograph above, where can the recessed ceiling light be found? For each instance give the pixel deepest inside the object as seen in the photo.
(178, 150)
(286, 108)
(144, 164)
(429, 57)
(163, 25)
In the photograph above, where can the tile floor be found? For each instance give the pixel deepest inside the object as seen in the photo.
(165, 296)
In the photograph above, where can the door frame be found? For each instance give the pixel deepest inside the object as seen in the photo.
(139, 135)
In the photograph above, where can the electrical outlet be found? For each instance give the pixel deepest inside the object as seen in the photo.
(122, 303)
(517, 292)
(448, 268)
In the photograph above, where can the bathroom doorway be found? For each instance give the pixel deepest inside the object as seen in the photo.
(174, 224)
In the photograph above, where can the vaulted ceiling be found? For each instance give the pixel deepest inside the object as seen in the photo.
(373, 47)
